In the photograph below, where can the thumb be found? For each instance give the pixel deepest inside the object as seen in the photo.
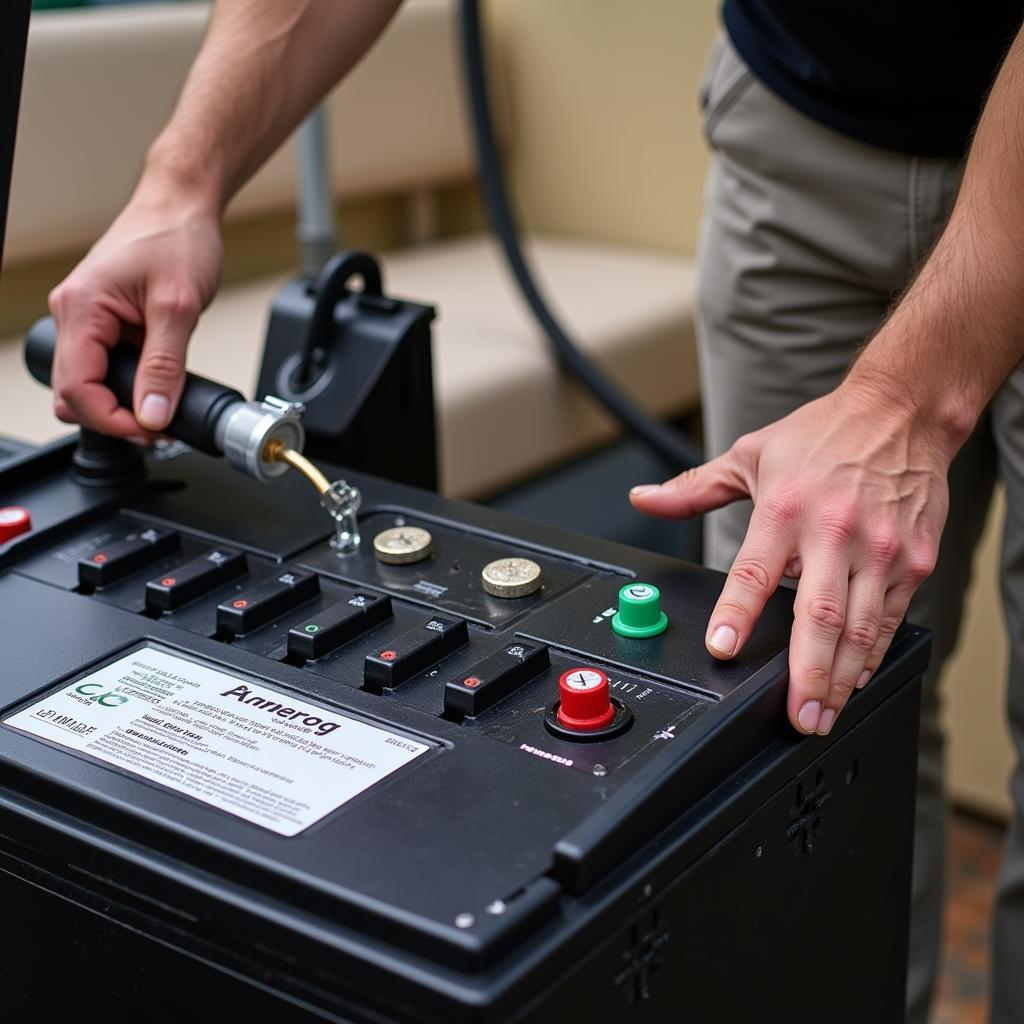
(693, 492)
(161, 375)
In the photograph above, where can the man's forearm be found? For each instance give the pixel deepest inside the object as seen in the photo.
(959, 329)
(263, 65)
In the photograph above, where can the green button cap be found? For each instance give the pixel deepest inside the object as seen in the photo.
(639, 613)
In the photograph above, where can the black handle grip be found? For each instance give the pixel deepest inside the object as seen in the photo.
(202, 402)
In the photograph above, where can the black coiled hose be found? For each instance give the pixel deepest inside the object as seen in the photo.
(676, 450)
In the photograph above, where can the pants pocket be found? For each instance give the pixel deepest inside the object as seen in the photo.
(708, 74)
(725, 80)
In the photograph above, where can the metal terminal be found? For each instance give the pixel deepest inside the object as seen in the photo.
(340, 499)
(246, 429)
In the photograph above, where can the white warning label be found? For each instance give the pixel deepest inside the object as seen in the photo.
(275, 759)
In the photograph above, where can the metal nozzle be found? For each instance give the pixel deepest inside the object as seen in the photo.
(247, 429)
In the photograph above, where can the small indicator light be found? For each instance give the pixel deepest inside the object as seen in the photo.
(312, 628)
(471, 681)
(168, 581)
(388, 655)
(240, 603)
(100, 558)
(14, 521)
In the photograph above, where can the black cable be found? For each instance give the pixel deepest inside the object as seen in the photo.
(662, 438)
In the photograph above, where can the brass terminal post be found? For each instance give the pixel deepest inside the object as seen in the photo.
(340, 499)
(276, 451)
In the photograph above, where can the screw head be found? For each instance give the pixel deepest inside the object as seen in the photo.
(465, 921)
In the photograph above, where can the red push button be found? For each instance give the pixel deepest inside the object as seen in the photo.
(14, 521)
(585, 700)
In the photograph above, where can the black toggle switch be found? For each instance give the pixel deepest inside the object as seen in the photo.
(337, 625)
(124, 557)
(254, 608)
(495, 677)
(413, 652)
(186, 582)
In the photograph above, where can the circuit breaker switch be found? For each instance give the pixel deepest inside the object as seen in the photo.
(585, 700)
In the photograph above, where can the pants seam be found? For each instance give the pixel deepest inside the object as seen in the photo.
(727, 100)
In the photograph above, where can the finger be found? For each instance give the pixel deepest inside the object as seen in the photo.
(753, 578)
(894, 609)
(698, 490)
(170, 320)
(820, 613)
(84, 335)
(864, 607)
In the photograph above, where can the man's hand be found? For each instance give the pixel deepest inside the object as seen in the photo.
(850, 495)
(263, 65)
(148, 278)
(850, 491)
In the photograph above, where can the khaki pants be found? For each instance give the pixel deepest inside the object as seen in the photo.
(807, 238)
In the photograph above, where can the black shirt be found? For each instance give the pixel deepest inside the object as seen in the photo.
(909, 75)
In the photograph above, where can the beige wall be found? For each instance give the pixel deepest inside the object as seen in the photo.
(980, 750)
(607, 142)
(603, 98)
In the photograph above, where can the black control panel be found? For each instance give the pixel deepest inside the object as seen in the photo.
(353, 789)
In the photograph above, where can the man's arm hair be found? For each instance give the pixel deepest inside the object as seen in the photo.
(263, 66)
(958, 331)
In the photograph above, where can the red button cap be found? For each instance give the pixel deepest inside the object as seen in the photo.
(586, 702)
(14, 520)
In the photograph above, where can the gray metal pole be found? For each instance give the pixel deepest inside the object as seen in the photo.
(316, 229)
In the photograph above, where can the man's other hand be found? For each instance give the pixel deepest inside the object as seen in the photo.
(850, 495)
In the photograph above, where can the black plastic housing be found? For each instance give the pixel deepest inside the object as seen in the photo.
(678, 869)
(370, 400)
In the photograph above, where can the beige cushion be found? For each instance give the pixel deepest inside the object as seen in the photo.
(99, 84)
(506, 412)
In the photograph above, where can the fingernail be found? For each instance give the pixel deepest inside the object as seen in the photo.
(809, 715)
(864, 677)
(155, 412)
(724, 640)
(643, 489)
(140, 439)
(828, 716)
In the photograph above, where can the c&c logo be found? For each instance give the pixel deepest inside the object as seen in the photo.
(105, 700)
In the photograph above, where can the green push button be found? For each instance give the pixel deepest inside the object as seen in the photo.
(639, 613)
